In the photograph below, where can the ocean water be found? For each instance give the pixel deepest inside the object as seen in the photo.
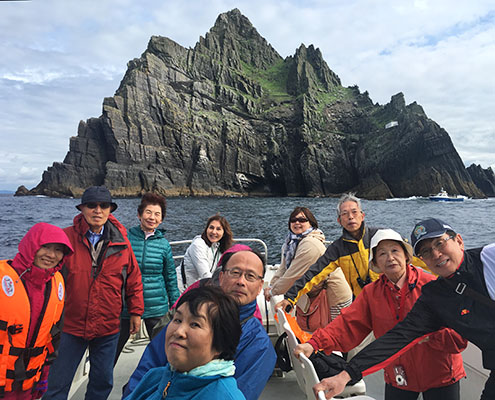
(263, 218)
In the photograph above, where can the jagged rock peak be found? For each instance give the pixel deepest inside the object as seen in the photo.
(234, 38)
(483, 178)
(398, 102)
(308, 69)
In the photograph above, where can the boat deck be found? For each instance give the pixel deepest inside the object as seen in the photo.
(286, 387)
(278, 387)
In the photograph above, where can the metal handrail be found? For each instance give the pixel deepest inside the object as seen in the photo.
(244, 240)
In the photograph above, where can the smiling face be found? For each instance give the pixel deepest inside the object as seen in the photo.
(444, 255)
(299, 224)
(96, 215)
(189, 338)
(351, 217)
(391, 259)
(49, 255)
(151, 217)
(240, 288)
(214, 232)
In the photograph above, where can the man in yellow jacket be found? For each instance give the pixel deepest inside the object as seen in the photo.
(350, 253)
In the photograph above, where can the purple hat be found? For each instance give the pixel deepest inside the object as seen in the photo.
(428, 229)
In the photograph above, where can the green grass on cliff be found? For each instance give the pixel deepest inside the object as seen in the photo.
(325, 98)
(272, 80)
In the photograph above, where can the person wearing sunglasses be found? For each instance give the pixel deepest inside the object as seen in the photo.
(350, 253)
(462, 298)
(101, 269)
(303, 245)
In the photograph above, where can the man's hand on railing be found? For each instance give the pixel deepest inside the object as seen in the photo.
(304, 348)
(284, 305)
(332, 386)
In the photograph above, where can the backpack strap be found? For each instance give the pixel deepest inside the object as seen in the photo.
(462, 289)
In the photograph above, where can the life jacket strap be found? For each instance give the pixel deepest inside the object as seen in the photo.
(28, 353)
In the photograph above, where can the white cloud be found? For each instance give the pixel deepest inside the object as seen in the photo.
(60, 59)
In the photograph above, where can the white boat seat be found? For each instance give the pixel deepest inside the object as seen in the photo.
(305, 373)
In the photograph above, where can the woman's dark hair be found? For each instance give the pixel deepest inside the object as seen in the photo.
(227, 238)
(309, 215)
(153, 199)
(223, 316)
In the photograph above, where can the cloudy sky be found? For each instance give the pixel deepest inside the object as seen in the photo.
(60, 58)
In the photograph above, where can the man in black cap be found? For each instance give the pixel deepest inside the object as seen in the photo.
(101, 274)
(462, 298)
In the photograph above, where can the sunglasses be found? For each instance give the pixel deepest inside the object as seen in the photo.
(92, 205)
(299, 219)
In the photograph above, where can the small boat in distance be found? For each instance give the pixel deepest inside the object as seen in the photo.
(444, 196)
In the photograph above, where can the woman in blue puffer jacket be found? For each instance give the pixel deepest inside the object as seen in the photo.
(155, 260)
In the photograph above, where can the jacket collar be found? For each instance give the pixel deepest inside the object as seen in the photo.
(114, 231)
(137, 231)
(347, 236)
(247, 310)
(412, 276)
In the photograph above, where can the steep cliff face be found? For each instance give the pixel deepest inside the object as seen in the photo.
(232, 117)
(483, 178)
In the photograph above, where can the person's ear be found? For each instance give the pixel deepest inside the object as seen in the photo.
(261, 286)
(460, 241)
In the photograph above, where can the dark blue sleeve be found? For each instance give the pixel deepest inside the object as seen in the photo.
(254, 360)
(153, 356)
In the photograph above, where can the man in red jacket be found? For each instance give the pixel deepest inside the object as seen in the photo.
(101, 274)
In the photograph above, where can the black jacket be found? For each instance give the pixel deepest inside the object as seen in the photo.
(438, 306)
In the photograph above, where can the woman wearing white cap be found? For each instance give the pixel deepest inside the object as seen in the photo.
(434, 365)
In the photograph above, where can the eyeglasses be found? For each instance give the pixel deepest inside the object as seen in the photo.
(92, 205)
(438, 246)
(347, 214)
(299, 219)
(237, 273)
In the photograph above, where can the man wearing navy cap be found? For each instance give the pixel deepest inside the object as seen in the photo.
(462, 298)
(101, 274)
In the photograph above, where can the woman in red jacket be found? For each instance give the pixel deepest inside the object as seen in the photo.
(433, 366)
(31, 302)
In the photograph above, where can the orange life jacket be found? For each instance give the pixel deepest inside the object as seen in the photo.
(21, 362)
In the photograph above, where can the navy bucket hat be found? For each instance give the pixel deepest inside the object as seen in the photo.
(97, 194)
(428, 229)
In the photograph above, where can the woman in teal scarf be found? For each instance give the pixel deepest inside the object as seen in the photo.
(200, 344)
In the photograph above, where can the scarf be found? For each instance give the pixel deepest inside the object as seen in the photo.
(291, 242)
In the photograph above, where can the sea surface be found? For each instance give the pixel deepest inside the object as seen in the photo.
(263, 218)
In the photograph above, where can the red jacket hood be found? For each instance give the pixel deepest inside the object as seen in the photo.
(39, 235)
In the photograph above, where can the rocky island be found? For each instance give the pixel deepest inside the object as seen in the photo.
(232, 117)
